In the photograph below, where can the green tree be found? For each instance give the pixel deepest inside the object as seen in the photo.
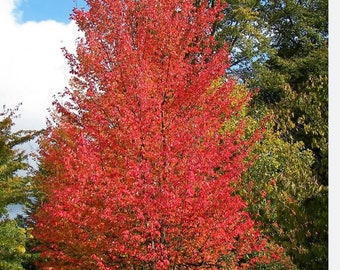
(293, 80)
(286, 198)
(294, 85)
(247, 36)
(281, 48)
(14, 189)
(281, 190)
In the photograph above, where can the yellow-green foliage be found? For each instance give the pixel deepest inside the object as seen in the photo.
(12, 245)
(13, 190)
(280, 188)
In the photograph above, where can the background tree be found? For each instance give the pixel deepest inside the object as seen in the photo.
(246, 32)
(299, 94)
(286, 198)
(14, 189)
(281, 48)
(135, 170)
(280, 191)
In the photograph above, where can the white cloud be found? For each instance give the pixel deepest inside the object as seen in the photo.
(32, 65)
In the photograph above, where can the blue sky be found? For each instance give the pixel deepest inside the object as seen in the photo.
(39, 10)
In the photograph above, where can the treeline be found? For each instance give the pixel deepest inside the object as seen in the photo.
(191, 136)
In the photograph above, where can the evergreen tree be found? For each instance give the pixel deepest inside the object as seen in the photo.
(14, 189)
(280, 47)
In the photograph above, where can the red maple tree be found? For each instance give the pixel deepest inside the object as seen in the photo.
(136, 166)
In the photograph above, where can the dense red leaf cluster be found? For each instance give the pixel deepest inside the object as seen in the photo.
(136, 168)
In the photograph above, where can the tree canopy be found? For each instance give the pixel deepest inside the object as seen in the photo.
(137, 167)
(14, 189)
(279, 49)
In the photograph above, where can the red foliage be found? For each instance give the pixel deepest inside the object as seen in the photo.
(137, 171)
